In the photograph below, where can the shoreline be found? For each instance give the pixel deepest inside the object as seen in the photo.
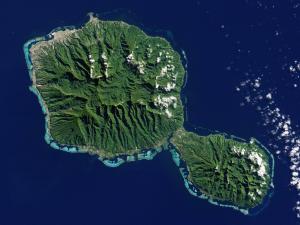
(142, 154)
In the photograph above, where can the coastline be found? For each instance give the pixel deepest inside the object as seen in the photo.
(143, 154)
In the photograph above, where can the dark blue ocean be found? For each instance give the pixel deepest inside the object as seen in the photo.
(224, 41)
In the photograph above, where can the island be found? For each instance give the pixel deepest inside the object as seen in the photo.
(110, 90)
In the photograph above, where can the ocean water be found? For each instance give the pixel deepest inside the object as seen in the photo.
(226, 43)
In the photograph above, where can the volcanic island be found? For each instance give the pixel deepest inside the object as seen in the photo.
(110, 90)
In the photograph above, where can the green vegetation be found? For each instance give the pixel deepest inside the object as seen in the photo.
(109, 87)
(225, 169)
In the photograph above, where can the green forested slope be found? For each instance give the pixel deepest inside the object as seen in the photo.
(109, 86)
